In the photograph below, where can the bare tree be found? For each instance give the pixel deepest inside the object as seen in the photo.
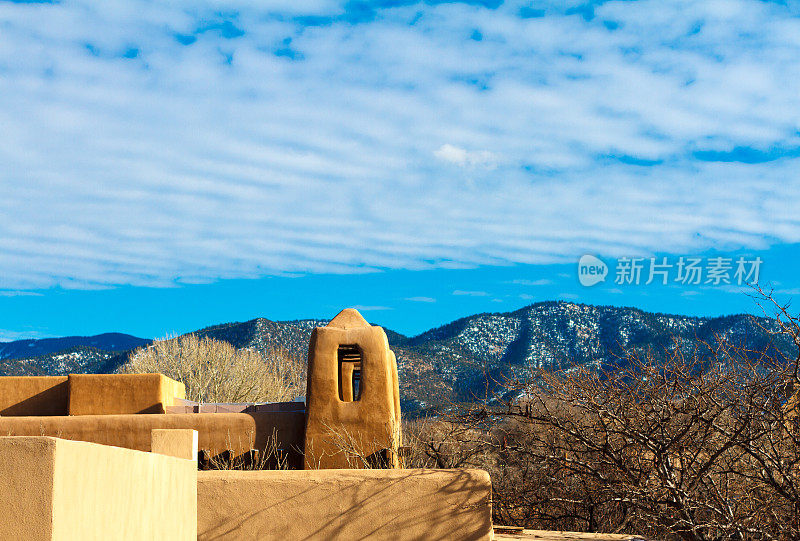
(215, 371)
(444, 444)
(684, 445)
(690, 448)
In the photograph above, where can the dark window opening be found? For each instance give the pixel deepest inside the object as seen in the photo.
(357, 384)
(350, 357)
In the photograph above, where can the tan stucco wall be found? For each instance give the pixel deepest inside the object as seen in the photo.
(88, 394)
(344, 504)
(110, 394)
(339, 433)
(26, 488)
(67, 490)
(34, 395)
(177, 442)
(216, 431)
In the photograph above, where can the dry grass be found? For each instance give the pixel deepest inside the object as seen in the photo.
(359, 451)
(215, 371)
(271, 457)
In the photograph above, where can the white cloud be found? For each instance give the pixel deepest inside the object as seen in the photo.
(539, 282)
(363, 308)
(156, 143)
(421, 299)
(20, 294)
(470, 293)
(464, 158)
(10, 336)
(788, 291)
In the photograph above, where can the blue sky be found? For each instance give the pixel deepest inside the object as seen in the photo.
(168, 165)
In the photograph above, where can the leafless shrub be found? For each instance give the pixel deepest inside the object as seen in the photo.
(215, 371)
(443, 444)
(376, 450)
(271, 457)
(679, 449)
(697, 447)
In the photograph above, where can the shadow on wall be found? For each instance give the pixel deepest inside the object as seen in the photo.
(344, 504)
(35, 395)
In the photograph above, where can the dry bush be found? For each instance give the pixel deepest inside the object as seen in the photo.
(652, 449)
(444, 444)
(215, 371)
(676, 446)
(671, 450)
(271, 457)
(359, 450)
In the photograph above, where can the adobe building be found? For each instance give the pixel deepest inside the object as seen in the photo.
(353, 417)
(115, 456)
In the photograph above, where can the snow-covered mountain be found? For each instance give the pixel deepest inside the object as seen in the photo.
(112, 341)
(452, 362)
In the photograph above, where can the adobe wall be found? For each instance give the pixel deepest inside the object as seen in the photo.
(88, 394)
(110, 394)
(52, 489)
(217, 431)
(344, 504)
(34, 395)
(342, 432)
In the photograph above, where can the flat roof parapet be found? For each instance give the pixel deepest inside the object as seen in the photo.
(187, 406)
(88, 394)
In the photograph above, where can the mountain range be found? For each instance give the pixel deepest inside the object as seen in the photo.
(451, 362)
